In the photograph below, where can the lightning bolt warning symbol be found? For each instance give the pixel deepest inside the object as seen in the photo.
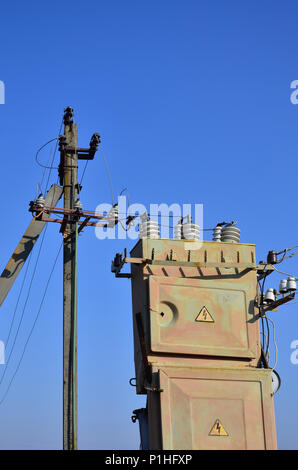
(218, 429)
(204, 316)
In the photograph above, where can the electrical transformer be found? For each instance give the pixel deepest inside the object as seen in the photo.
(197, 345)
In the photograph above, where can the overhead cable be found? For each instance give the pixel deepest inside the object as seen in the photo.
(32, 328)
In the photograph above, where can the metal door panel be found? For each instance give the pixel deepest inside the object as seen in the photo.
(176, 325)
(216, 409)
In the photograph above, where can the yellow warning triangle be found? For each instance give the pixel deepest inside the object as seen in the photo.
(204, 315)
(218, 429)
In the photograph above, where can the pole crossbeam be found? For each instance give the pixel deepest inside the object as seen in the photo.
(76, 214)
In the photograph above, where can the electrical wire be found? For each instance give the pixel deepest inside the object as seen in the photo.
(85, 167)
(275, 345)
(108, 173)
(286, 274)
(26, 272)
(52, 162)
(124, 228)
(262, 316)
(38, 189)
(24, 308)
(287, 249)
(161, 215)
(268, 338)
(128, 198)
(36, 156)
(32, 328)
(18, 300)
(267, 326)
(289, 256)
(266, 341)
(46, 168)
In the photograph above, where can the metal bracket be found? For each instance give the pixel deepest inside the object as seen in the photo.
(277, 303)
(261, 269)
(82, 153)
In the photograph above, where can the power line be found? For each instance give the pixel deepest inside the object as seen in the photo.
(108, 173)
(85, 167)
(52, 162)
(45, 169)
(287, 249)
(286, 274)
(267, 344)
(33, 326)
(36, 156)
(17, 303)
(289, 256)
(25, 305)
(275, 345)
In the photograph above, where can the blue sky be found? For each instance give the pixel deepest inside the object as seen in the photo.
(192, 100)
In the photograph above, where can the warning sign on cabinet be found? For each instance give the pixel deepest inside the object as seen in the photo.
(218, 429)
(204, 316)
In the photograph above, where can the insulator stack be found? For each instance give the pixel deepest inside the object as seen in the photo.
(148, 228)
(78, 205)
(283, 286)
(230, 234)
(178, 231)
(187, 231)
(217, 233)
(269, 296)
(291, 284)
(40, 202)
(113, 216)
(190, 231)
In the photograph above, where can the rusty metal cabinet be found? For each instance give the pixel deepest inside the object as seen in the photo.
(213, 408)
(197, 345)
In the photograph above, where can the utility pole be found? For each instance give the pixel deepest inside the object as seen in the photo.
(70, 382)
(70, 153)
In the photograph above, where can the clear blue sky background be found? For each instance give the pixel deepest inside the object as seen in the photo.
(192, 100)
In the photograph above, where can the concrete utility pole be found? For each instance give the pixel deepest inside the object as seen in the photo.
(70, 153)
(70, 382)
